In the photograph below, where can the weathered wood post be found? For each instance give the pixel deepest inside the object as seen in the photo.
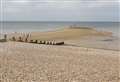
(13, 38)
(27, 36)
(20, 39)
(5, 36)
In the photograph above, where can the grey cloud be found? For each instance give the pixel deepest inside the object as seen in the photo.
(79, 10)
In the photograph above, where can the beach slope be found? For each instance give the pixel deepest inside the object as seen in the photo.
(25, 62)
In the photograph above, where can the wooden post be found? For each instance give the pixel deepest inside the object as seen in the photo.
(5, 36)
(13, 38)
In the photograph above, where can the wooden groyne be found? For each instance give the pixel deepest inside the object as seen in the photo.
(47, 42)
(27, 38)
(20, 39)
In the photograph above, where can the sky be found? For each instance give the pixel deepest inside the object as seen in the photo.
(59, 10)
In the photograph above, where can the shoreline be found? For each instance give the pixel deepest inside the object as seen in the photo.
(76, 36)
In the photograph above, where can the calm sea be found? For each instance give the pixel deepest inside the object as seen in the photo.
(8, 27)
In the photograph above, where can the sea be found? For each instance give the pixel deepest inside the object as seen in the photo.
(9, 27)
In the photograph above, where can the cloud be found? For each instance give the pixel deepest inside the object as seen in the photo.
(60, 9)
(57, 3)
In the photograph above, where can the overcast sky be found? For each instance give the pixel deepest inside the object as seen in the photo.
(59, 10)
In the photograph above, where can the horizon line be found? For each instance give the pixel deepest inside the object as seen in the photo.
(59, 21)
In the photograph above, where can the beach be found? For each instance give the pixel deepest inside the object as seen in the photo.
(88, 55)
(59, 41)
(24, 62)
